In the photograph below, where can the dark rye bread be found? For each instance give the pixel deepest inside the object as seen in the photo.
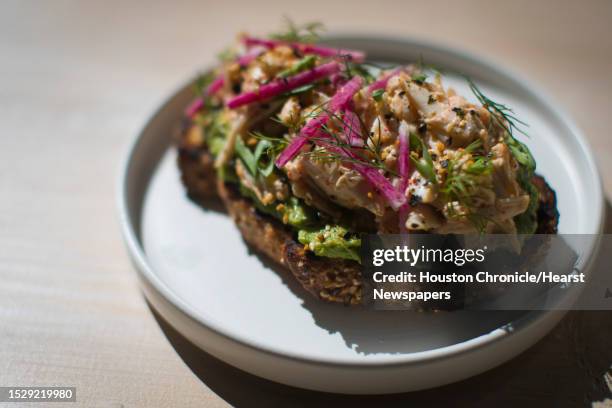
(332, 280)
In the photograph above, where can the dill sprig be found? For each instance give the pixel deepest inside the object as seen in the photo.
(463, 178)
(502, 114)
(422, 66)
(424, 165)
(371, 146)
(307, 32)
(325, 155)
(368, 155)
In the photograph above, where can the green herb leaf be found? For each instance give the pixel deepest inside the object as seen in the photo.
(502, 114)
(361, 70)
(472, 147)
(377, 94)
(424, 165)
(419, 78)
(425, 169)
(202, 82)
(215, 129)
(264, 146)
(308, 32)
(247, 157)
(521, 153)
(305, 63)
(261, 148)
(481, 165)
(299, 90)
(228, 54)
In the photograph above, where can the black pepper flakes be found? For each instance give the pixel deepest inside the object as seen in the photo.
(296, 52)
(422, 128)
(414, 199)
(460, 112)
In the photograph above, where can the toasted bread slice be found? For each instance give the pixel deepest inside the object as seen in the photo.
(332, 280)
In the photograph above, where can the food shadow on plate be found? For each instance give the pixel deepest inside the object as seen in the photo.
(208, 204)
(370, 331)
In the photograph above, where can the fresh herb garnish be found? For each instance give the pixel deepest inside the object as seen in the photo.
(377, 94)
(214, 128)
(297, 91)
(306, 33)
(527, 222)
(359, 69)
(460, 112)
(368, 155)
(502, 114)
(424, 165)
(246, 155)
(419, 78)
(302, 65)
(226, 55)
(262, 148)
(261, 161)
(268, 149)
(463, 178)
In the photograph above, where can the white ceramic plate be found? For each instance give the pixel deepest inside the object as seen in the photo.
(199, 274)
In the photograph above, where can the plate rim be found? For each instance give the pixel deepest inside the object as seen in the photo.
(145, 271)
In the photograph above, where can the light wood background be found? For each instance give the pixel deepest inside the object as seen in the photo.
(78, 80)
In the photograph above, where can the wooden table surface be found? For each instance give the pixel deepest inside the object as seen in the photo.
(78, 80)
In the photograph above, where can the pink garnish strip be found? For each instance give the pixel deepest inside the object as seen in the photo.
(403, 170)
(371, 174)
(308, 131)
(340, 100)
(344, 96)
(212, 89)
(328, 52)
(352, 128)
(280, 86)
(219, 81)
(403, 154)
(194, 107)
(250, 55)
(382, 82)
